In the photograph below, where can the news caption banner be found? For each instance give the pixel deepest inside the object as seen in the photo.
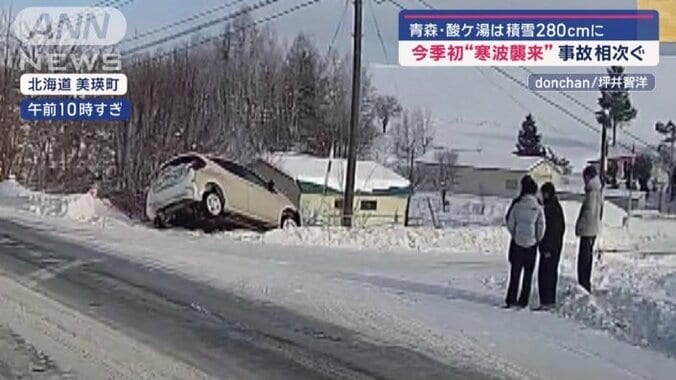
(82, 96)
(591, 82)
(69, 109)
(528, 38)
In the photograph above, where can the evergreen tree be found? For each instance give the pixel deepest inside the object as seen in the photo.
(305, 88)
(529, 140)
(615, 99)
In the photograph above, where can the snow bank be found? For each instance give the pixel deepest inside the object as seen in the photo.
(631, 300)
(422, 239)
(80, 207)
(11, 188)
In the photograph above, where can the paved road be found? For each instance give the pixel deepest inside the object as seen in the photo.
(221, 334)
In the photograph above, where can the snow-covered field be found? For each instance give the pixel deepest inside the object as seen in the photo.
(434, 290)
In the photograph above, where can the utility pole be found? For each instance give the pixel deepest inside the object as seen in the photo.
(672, 128)
(348, 199)
(604, 146)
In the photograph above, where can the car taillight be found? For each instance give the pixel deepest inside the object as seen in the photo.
(198, 164)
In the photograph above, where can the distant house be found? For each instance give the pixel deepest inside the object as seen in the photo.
(622, 158)
(317, 186)
(482, 172)
(572, 188)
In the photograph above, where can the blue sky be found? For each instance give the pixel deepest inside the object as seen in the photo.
(470, 107)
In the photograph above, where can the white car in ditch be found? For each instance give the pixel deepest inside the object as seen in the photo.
(194, 185)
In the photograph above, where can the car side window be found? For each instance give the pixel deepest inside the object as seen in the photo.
(230, 166)
(255, 178)
(240, 171)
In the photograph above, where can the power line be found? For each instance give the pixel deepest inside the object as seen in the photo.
(393, 2)
(425, 3)
(338, 28)
(259, 5)
(374, 17)
(263, 20)
(183, 21)
(514, 99)
(554, 104)
(112, 3)
(378, 33)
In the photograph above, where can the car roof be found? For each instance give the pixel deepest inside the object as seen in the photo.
(186, 154)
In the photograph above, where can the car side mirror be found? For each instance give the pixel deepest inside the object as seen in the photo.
(271, 186)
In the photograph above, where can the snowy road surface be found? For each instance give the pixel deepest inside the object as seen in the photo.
(20, 360)
(374, 312)
(223, 335)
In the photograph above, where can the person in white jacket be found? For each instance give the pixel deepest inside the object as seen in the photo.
(588, 224)
(526, 225)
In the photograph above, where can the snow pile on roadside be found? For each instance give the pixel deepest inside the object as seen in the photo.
(467, 238)
(395, 238)
(633, 296)
(81, 207)
(629, 299)
(12, 189)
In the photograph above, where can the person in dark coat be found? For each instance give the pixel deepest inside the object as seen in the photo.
(526, 225)
(550, 247)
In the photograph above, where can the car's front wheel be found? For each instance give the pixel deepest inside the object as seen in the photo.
(212, 203)
(290, 220)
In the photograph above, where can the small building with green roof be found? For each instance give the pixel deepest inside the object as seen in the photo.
(316, 185)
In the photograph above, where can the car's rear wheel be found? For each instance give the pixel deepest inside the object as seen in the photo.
(289, 220)
(160, 221)
(213, 203)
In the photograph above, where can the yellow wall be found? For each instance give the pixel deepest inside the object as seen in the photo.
(490, 182)
(667, 10)
(500, 182)
(319, 209)
(545, 172)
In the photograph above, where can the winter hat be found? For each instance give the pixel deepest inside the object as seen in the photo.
(548, 188)
(528, 185)
(590, 171)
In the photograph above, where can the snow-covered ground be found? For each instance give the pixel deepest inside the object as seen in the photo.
(434, 290)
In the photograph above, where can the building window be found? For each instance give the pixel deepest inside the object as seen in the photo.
(338, 203)
(511, 184)
(368, 205)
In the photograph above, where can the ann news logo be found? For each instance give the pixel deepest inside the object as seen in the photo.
(69, 26)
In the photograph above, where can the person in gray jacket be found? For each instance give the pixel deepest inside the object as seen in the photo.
(588, 224)
(526, 225)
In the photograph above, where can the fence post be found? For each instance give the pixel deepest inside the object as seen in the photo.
(434, 219)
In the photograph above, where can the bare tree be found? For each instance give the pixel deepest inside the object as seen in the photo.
(387, 107)
(239, 96)
(412, 138)
(447, 172)
(11, 136)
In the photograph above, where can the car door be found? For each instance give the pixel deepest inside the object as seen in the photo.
(263, 203)
(232, 181)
